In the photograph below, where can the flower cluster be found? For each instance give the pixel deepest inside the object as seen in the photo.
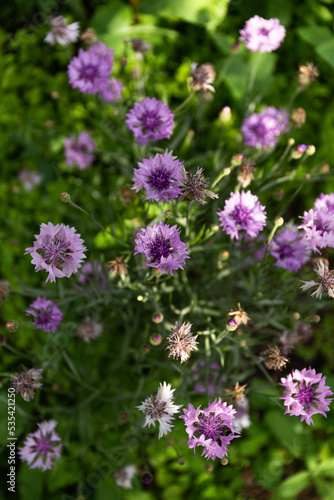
(262, 35)
(318, 223)
(261, 130)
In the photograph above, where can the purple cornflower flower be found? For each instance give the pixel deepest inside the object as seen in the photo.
(89, 329)
(262, 35)
(47, 314)
(62, 32)
(161, 177)
(305, 394)
(41, 447)
(318, 223)
(242, 211)
(112, 90)
(92, 275)
(289, 249)
(78, 151)
(263, 129)
(210, 384)
(150, 120)
(58, 249)
(211, 428)
(89, 71)
(162, 247)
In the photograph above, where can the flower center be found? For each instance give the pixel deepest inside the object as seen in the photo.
(306, 395)
(150, 121)
(55, 250)
(89, 72)
(263, 32)
(44, 317)
(212, 427)
(160, 179)
(156, 408)
(285, 251)
(160, 247)
(240, 215)
(43, 446)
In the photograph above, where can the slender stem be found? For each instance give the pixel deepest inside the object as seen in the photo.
(252, 76)
(184, 103)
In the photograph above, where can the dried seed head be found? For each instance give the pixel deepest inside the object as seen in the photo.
(89, 36)
(140, 46)
(182, 342)
(298, 116)
(273, 358)
(306, 75)
(194, 186)
(326, 280)
(245, 175)
(238, 392)
(240, 316)
(117, 267)
(202, 76)
(26, 382)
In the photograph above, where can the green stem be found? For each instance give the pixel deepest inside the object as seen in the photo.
(184, 103)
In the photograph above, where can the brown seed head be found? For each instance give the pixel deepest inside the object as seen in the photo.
(194, 186)
(26, 382)
(298, 116)
(273, 358)
(306, 75)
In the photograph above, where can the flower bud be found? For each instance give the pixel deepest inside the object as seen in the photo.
(65, 197)
(231, 325)
(12, 325)
(168, 214)
(155, 339)
(157, 317)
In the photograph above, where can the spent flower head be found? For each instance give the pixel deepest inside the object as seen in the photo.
(117, 267)
(262, 35)
(58, 250)
(62, 32)
(273, 358)
(306, 75)
(194, 186)
(306, 394)
(124, 476)
(182, 341)
(202, 76)
(26, 382)
(240, 316)
(41, 447)
(160, 408)
(326, 281)
(47, 314)
(89, 329)
(246, 175)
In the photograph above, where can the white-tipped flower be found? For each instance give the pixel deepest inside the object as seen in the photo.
(326, 281)
(160, 408)
(182, 341)
(124, 476)
(62, 32)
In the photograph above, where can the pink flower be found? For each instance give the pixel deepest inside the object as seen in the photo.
(262, 35)
(41, 447)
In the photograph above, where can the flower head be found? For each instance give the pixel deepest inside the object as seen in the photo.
(242, 212)
(47, 314)
(117, 267)
(246, 175)
(124, 476)
(318, 223)
(89, 71)
(194, 186)
(182, 341)
(273, 358)
(262, 35)
(306, 75)
(326, 281)
(26, 382)
(79, 151)
(211, 428)
(160, 176)
(112, 91)
(208, 380)
(240, 316)
(202, 76)
(237, 392)
(140, 46)
(92, 275)
(241, 418)
(62, 32)
(162, 247)
(29, 178)
(89, 329)
(160, 408)
(263, 129)
(150, 120)
(58, 250)
(306, 394)
(41, 447)
(289, 249)
(298, 116)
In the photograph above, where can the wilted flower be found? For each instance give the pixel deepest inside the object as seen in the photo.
(241, 418)
(287, 341)
(140, 47)
(41, 447)
(47, 314)
(242, 212)
(62, 32)
(237, 392)
(298, 116)
(89, 71)
(306, 75)
(289, 249)
(194, 186)
(162, 247)
(240, 316)
(29, 178)
(160, 408)
(79, 151)
(262, 35)
(117, 267)
(263, 129)
(89, 36)
(306, 394)
(150, 120)
(112, 91)
(92, 275)
(124, 476)
(26, 382)
(318, 223)
(89, 329)
(326, 281)
(211, 428)
(58, 250)
(245, 175)
(273, 358)
(182, 341)
(160, 176)
(202, 76)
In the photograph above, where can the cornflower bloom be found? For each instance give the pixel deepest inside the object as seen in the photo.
(262, 35)
(211, 428)
(89, 329)
(160, 176)
(41, 447)
(79, 151)
(112, 90)
(26, 382)
(124, 476)
(62, 32)
(263, 129)
(202, 76)
(242, 212)
(318, 223)
(326, 281)
(194, 186)
(182, 341)
(92, 275)
(58, 250)
(289, 249)
(89, 71)
(47, 314)
(160, 408)
(306, 394)
(162, 247)
(29, 178)
(150, 120)
(140, 46)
